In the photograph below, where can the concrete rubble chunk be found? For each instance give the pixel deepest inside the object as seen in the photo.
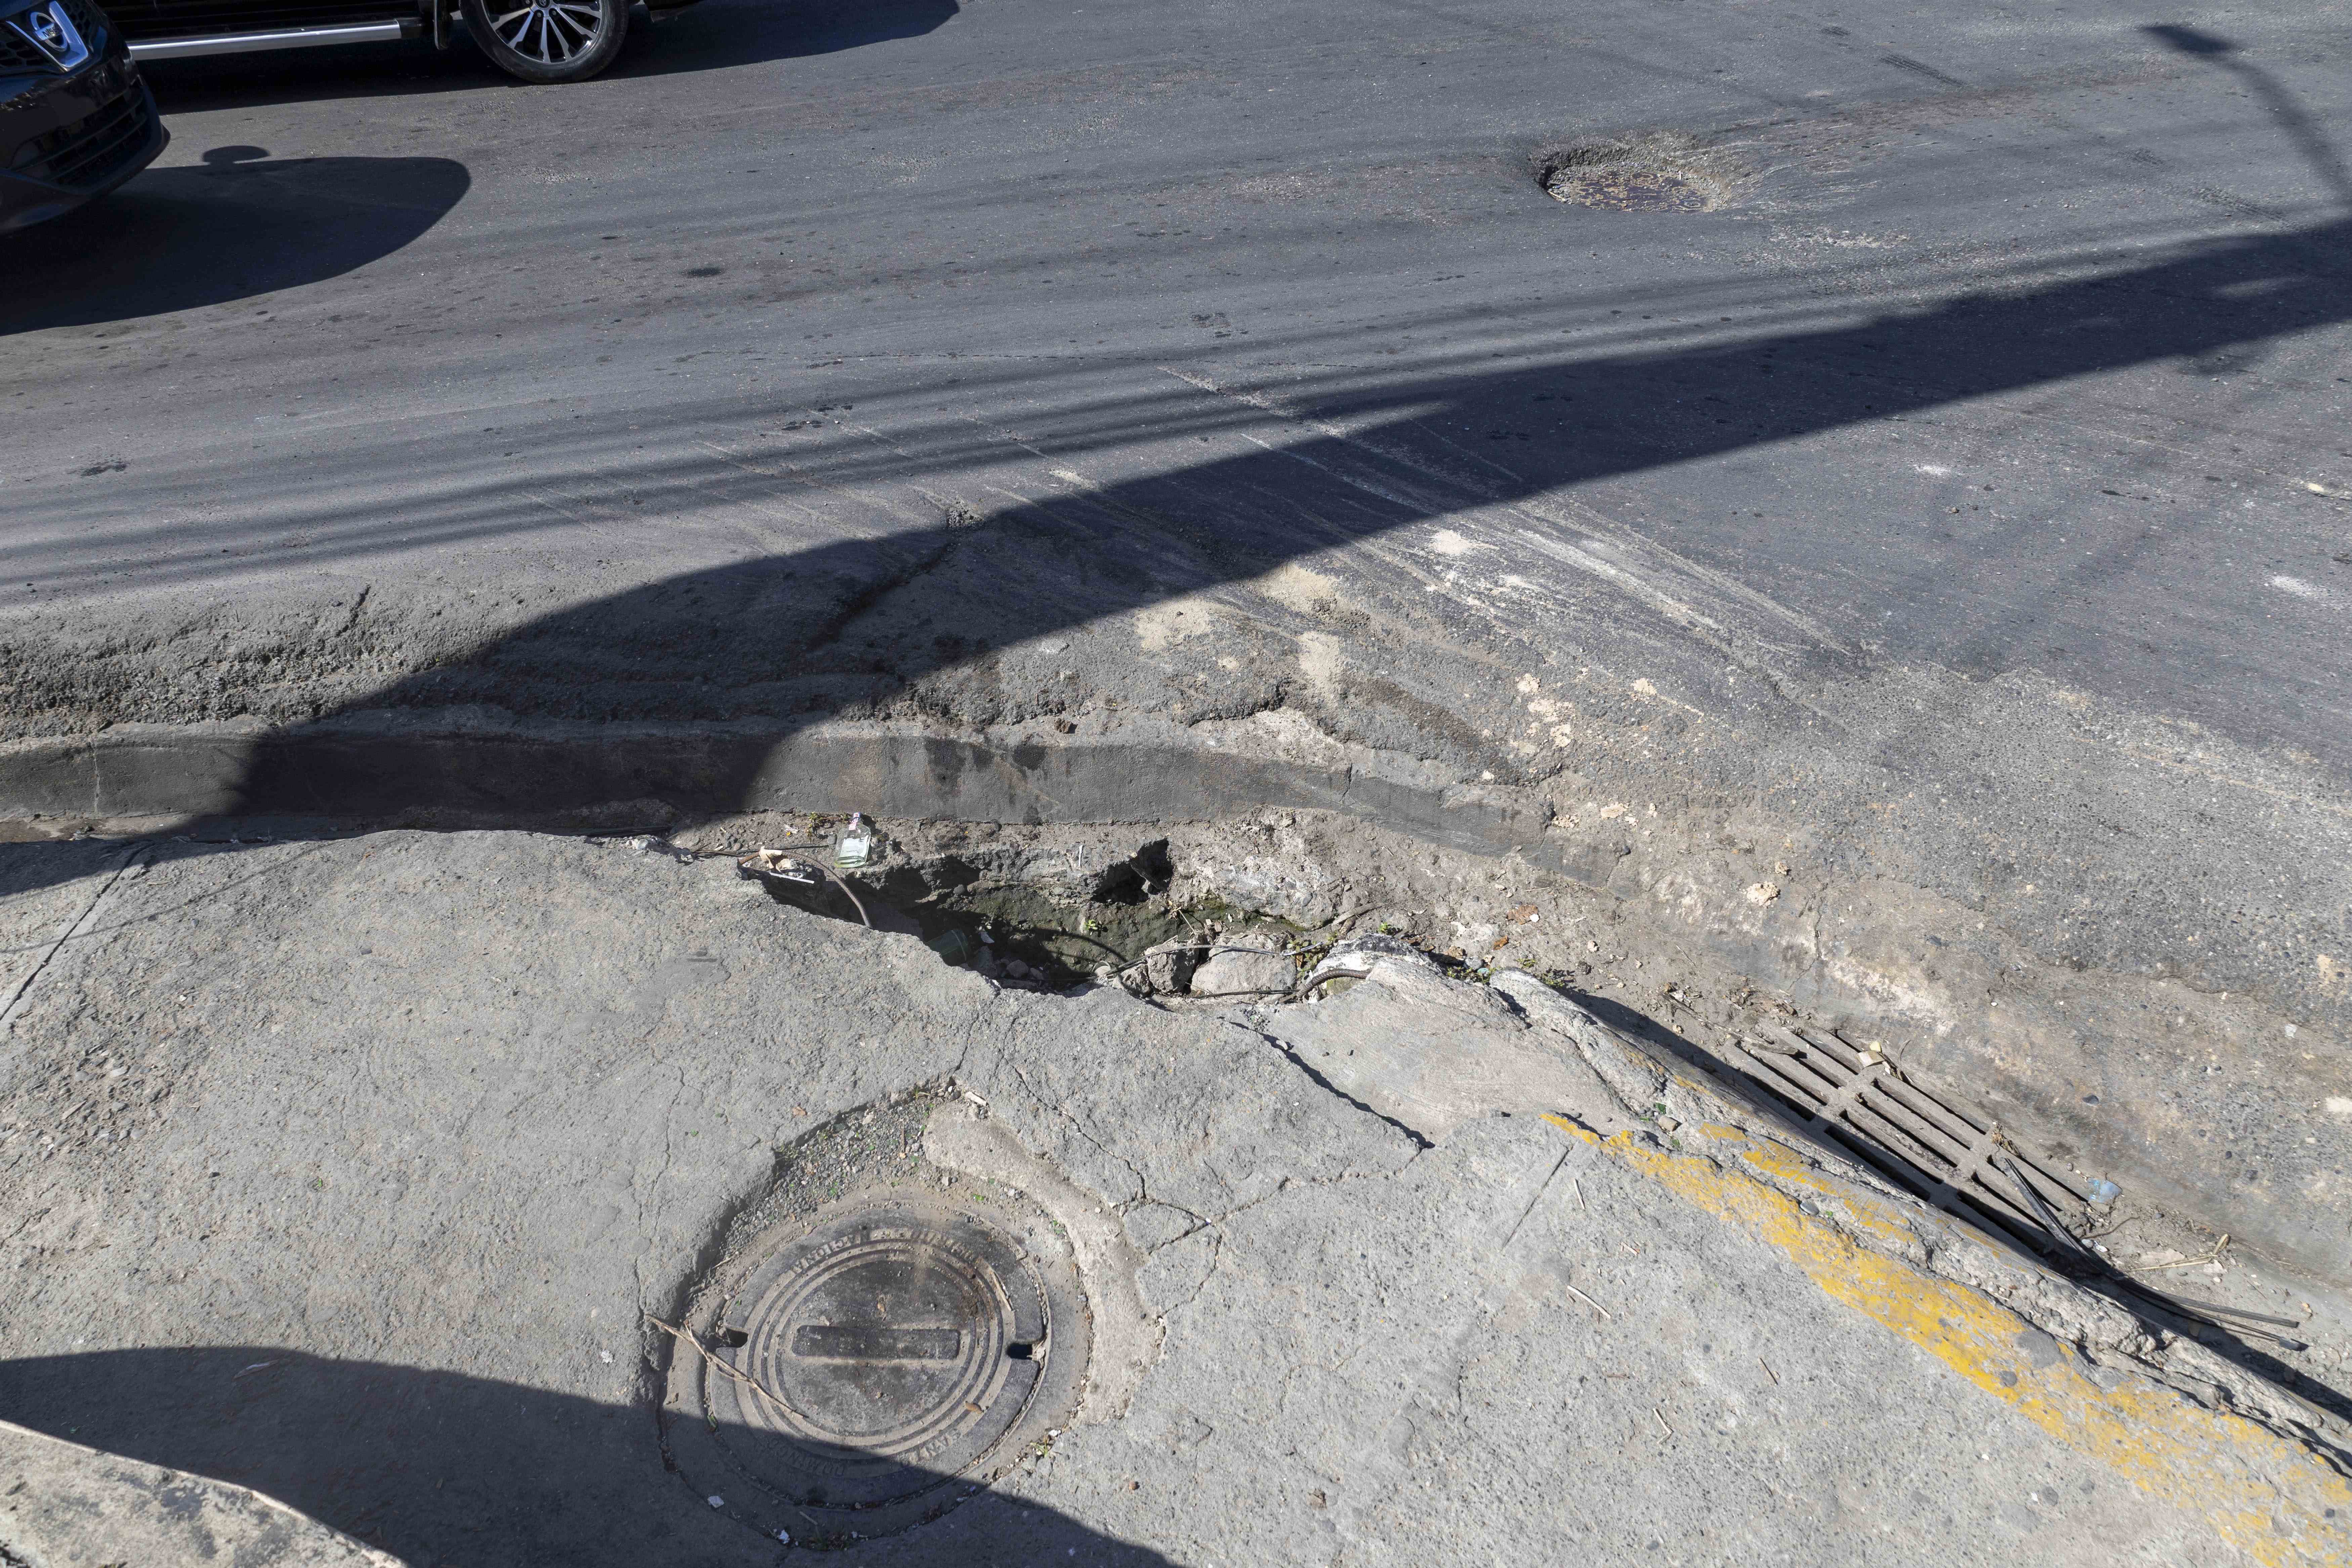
(1251, 967)
(1171, 967)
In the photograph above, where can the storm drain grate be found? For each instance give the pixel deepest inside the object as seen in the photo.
(1961, 1161)
(1953, 1157)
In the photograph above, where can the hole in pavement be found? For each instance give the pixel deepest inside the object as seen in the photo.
(1661, 172)
(1046, 926)
(1068, 899)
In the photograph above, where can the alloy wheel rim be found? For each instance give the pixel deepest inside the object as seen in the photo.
(551, 32)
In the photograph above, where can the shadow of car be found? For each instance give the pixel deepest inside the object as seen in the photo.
(241, 224)
(76, 120)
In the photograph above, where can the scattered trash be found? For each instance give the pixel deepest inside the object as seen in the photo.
(1351, 959)
(715, 1500)
(778, 867)
(855, 845)
(2102, 1191)
(954, 945)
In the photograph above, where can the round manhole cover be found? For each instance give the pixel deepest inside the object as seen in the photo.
(873, 1355)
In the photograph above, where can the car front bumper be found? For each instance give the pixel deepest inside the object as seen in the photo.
(68, 140)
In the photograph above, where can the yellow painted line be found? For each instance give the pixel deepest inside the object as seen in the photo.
(2261, 1493)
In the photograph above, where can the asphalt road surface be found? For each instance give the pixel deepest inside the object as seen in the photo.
(1916, 457)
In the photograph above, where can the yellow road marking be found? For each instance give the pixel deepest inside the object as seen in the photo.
(2263, 1493)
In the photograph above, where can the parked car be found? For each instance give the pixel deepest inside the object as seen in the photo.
(538, 41)
(76, 120)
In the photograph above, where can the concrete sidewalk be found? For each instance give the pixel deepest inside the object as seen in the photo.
(353, 1172)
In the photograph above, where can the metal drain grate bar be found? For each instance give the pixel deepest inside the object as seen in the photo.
(1861, 1098)
(2056, 1188)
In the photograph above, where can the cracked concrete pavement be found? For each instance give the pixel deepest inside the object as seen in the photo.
(346, 1171)
(1915, 586)
(1907, 596)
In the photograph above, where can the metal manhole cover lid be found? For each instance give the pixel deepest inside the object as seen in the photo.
(873, 1353)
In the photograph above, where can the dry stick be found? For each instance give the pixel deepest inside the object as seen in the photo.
(2058, 1232)
(1768, 1372)
(2195, 1308)
(2144, 1267)
(1662, 1419)
(738, 1374)
(858, 903)
(855, 902)
(1588, 1301)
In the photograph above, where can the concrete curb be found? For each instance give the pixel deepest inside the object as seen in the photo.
(375, 765)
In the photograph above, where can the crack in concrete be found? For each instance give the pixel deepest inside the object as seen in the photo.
(1325, 1085)
(14, 1007)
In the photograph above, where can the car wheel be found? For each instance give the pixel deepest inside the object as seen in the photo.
(549, 40)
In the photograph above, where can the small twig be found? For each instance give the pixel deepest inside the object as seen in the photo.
(2058, 1232)
(1589, 1302)
(738, 1374)
(1768, 1372)
(855, 902)
(751, 861)
(1662, 1420)
(1579, 1196)
(2144, 1267)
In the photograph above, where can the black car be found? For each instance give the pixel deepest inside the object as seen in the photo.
(538, 41)
(75, 119)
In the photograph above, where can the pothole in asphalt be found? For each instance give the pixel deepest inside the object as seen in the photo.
(1041, 926)
(855, 1368)
(1651, 173)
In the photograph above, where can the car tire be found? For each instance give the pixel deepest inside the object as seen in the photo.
(549, 40)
